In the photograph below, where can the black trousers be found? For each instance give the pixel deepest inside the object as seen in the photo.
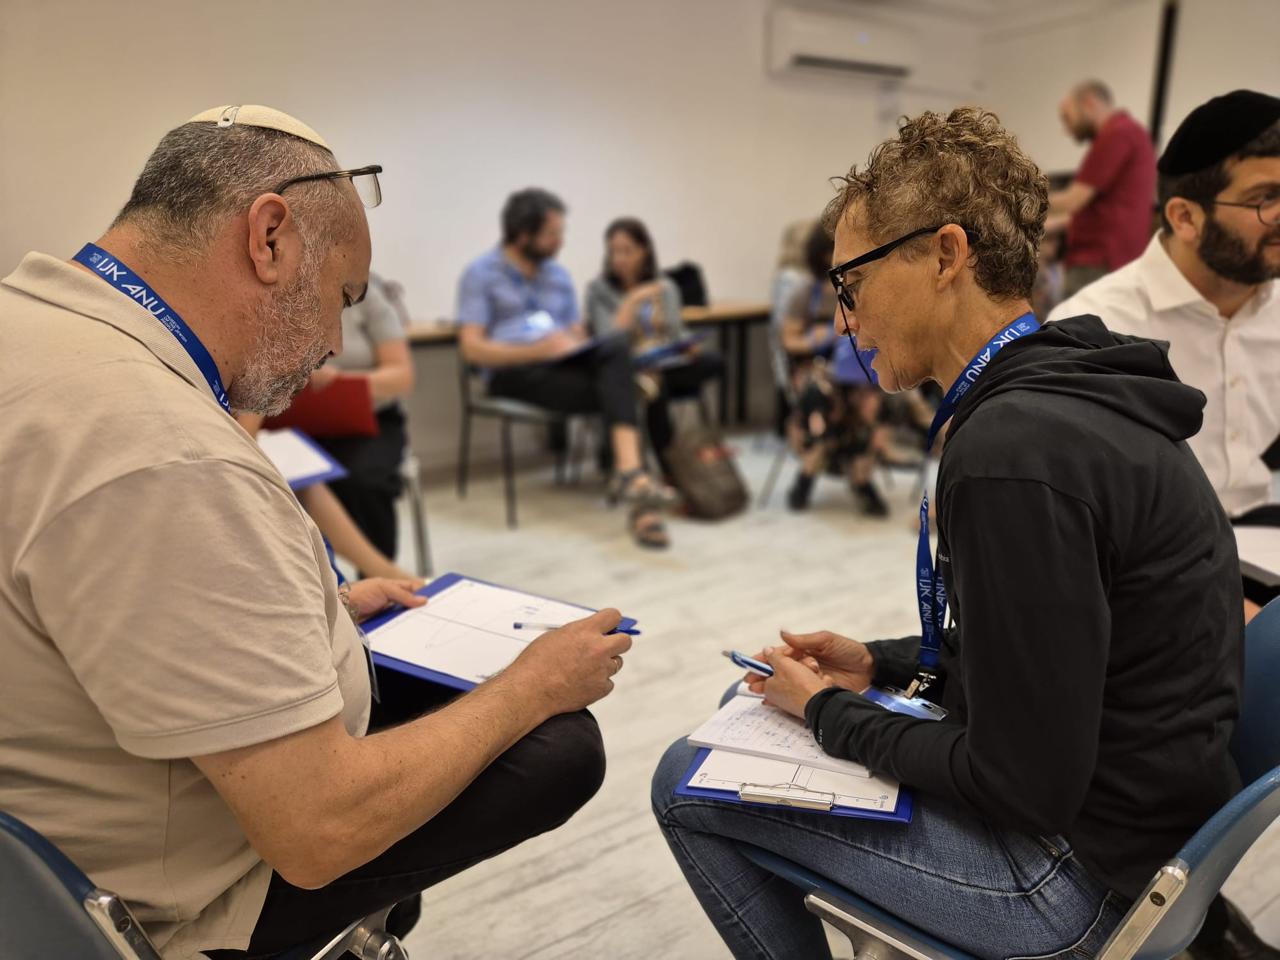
(598, 380)
(1268, 515)
(534, 787)
(372, 484)
(678, 382)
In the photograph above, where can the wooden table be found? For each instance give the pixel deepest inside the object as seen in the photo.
(732, 318)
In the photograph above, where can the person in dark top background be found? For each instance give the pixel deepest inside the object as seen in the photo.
(1108, 209)
(1092, 668)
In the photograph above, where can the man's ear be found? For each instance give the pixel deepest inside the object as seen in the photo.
(273, 236)
(1186, 217)
(953, 254)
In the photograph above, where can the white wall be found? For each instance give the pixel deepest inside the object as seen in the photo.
(660, 109)
(1031, 61)
(1222, 45)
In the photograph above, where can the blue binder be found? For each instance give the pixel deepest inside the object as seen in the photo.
(901, 813)
(439, 585)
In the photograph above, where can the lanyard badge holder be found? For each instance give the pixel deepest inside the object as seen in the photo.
(931, 588)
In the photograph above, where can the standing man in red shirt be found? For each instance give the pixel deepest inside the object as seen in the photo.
(1107, 209)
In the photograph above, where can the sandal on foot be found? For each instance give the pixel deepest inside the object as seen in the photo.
(647, 528)
(637, 488)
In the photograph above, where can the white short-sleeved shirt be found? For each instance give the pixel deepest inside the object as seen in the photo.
(162, 596)
(1235, 362)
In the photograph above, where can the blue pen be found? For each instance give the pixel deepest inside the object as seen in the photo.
(629, 631)
(748, 663)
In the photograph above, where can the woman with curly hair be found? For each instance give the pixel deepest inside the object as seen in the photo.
(1091, 666)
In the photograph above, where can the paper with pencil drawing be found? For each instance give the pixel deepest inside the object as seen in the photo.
(466, 630)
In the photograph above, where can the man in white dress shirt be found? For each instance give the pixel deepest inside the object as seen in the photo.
(1207, 284)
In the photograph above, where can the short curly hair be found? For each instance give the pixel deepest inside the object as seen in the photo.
(963, 168)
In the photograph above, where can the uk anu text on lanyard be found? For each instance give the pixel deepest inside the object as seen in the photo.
(931, 589)
(135, 288)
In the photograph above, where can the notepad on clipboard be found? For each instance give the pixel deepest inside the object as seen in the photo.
(465, 634)
(754, 753)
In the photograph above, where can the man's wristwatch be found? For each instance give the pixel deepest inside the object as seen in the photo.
(353, 611)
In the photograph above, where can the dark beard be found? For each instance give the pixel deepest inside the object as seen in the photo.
(1224, 253)
(532, 253)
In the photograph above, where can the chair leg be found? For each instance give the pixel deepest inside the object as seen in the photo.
(464, 453)
(869, 941)
(771, 480)
(418, 511)
(508, 473)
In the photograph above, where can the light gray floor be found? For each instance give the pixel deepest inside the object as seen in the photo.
(604, 885)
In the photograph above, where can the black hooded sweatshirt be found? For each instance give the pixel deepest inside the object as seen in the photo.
(1094, 666)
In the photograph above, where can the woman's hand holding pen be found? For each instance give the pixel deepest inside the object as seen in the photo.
(808, 663)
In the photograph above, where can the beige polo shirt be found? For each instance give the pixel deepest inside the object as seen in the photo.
(162, 596)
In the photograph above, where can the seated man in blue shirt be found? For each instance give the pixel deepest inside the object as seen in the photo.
(518, 318)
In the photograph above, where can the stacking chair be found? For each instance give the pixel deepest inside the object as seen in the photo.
(1171, 910)
(49, 908)
(411, 474)
(475, 403)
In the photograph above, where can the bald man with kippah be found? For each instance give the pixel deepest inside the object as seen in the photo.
(185, 705)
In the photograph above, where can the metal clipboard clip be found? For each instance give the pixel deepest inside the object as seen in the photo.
(786, 795)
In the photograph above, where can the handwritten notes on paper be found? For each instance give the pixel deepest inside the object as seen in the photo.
(746, 725)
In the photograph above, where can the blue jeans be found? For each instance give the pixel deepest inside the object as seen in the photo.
(992, 892)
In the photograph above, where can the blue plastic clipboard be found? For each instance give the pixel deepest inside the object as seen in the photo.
(436, 586)
(901, 813)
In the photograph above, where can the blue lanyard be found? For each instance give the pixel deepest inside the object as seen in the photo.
(931, 589)
(135, 288)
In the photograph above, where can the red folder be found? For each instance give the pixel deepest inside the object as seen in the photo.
(342, 409)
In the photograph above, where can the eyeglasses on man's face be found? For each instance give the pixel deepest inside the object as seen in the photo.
(836, 274)
(1268, 210)
(364, 179)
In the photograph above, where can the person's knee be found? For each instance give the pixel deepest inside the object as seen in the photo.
(569, 760)
(669, 775)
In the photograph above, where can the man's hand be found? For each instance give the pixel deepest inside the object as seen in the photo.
(574, 665)
(377, 593)
(792, 684)
(324, 376)
(557, 343)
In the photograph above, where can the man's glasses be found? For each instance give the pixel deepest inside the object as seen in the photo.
(364, 179)
(1268, 211)
(836, 274)
(844, 296)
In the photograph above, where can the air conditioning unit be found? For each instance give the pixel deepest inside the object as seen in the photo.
(809, 40)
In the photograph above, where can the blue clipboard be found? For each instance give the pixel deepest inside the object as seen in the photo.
(439, 585)
(901, 813)
(664, 352)
(334, 470)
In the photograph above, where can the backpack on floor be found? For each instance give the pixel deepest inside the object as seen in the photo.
(704, 471)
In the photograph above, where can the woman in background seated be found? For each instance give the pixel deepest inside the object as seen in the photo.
(836, 425)
(631, 297)
(374, 346)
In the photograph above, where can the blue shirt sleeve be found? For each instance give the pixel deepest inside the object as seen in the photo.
(566, 312)
(473, 298)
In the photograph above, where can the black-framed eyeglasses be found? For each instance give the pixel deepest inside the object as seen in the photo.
(836, 274)
(364, 179)
(1268, 211)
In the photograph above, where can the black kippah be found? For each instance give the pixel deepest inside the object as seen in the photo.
(1215, 130)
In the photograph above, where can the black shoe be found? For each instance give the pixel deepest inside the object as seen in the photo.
(1236, 942)
(871, 503)
(800, 492)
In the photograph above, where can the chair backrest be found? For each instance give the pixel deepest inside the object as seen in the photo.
(687, 276)
(49, 908)
(1256, 744)
(467, 373)
(1215, 849)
